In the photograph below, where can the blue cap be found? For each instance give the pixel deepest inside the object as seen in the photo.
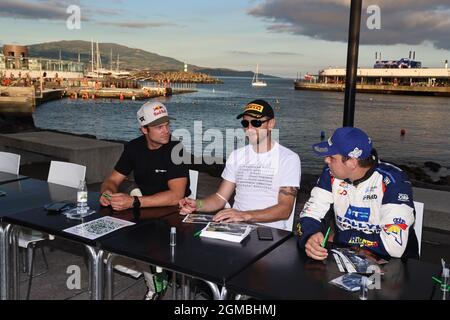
(346, 141)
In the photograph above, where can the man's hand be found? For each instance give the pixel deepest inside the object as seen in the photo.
(121, 201)
(231, 215)
(105, 198)
(187, 206)
(314, 249)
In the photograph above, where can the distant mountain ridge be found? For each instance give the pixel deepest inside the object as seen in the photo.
(129, 58)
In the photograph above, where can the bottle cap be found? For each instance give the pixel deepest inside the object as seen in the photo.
(159, 269)
(173, 230)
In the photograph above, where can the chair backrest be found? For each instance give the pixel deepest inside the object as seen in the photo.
(193, 177)
(290, 221)
(66, 173)
(9, 162)
(418, 206)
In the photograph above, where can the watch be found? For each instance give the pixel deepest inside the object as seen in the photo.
(136, 202)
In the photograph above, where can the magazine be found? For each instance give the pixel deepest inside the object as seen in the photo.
(233, 232)
(357, 260)
(198, 218)
(98, 227)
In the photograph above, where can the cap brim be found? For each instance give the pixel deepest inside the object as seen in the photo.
(323, 149)
(159, 121)
(254, 115)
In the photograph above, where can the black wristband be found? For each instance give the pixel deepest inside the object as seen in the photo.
(136, 202)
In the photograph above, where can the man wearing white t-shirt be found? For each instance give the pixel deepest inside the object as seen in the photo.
(264, 174)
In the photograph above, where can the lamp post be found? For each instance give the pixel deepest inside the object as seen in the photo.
(352, 62)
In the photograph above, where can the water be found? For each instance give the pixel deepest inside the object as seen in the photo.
(301, 116)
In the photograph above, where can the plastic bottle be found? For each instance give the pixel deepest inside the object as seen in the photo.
(161, 280)
(82, 198)
(445, 279)
(173, 236)
(364, 289)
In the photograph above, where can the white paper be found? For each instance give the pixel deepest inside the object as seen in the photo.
(99, 227)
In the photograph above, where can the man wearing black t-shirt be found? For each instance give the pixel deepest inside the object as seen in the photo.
(161, 182)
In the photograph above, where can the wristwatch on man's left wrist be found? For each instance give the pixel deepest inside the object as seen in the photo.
(136, 202)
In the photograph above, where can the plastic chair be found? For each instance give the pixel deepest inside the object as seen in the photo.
(418, 224)
(62, 173)
(66, 173)
(9, 162)
(290, 220)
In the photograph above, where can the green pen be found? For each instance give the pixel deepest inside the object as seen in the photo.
(197, 233)
(324, 242)
(439, 281)
(107, 196)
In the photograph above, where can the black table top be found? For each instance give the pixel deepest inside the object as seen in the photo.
(31, 193)
(209, 259)
(286, 273)
(38, 218)
(6, 177)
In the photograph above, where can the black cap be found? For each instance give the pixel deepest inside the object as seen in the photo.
(257, 109)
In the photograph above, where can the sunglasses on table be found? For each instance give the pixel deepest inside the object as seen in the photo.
(255, 123)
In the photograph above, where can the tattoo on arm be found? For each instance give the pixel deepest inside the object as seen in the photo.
(289, 191)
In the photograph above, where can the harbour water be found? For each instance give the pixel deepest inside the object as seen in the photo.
(301, 116)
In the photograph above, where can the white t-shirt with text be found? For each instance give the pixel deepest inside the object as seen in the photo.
(259, 176)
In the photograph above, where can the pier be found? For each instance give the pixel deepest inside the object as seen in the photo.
(382, 89)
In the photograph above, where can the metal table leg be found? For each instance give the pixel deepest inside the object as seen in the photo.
(109, 277)
(215, 289)
(4, 261)
(14, 238)
(174, 286)
(96, 260)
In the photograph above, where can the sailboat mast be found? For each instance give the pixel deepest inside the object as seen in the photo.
(92, 55)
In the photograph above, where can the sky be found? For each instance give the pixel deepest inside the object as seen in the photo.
(285, 37)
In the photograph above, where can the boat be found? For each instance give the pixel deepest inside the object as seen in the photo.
(256, 82)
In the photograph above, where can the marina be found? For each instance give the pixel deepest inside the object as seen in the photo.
(403, 76)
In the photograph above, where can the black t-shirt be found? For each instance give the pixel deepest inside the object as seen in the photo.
(152, 168)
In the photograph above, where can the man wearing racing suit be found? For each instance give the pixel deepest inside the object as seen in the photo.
(372, 201)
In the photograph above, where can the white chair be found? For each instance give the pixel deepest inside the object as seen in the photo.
(290, 220)
(418, 206)
(193, 177)
(9, 162)
(62, 173)
(66, 173)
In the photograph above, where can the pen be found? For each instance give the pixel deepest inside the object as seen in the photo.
(324, 242)
(107, 196)
(439, 281)
(197, 233)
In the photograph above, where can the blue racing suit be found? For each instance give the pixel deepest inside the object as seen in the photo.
(375, 212)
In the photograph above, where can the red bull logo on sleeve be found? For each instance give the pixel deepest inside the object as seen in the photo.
(396, 229)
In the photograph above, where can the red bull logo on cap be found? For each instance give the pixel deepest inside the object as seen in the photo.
(157, 110)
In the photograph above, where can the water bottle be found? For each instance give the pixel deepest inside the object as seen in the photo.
(160, 280)
(82, 198)
(364, 289)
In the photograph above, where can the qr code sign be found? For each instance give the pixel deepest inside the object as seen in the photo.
(98, 228)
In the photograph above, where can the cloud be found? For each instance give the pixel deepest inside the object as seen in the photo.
(402, 21)
(31, 10)
(49, 10)
(249, 53)
(282, 53)
(138, 25)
